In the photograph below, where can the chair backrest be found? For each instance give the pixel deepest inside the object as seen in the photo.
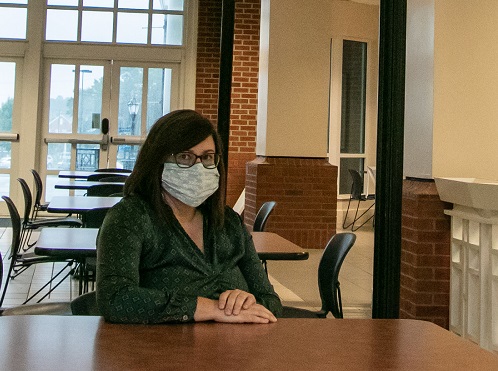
(15, 220)
(96, 177)
(38, 191)
(104, 190)
(115, 178)
(28, 199)
(262, 216)
(112, 170)
(94, 218)
(357, 186)
(328, 271)
(85, 305)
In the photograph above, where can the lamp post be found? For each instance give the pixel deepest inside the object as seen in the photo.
(133, 107)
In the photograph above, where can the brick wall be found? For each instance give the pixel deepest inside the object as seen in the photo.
(244, 82)
(305, 190)
(208, 58)
(425, 254)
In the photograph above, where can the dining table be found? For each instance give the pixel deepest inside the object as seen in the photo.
(37, 342)
(78, 244)
(81, 243)
(79, 184)
(81, 174)
(80, 204)
(272, 246)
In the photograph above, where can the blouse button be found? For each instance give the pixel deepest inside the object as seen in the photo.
(185, 317)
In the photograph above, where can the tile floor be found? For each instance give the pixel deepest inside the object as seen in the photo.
(295, 281)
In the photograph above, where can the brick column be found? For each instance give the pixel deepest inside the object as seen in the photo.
(305, 190)
(425, 254)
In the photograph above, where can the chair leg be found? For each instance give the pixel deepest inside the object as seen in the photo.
(353, 228)
(339, 300)
(68, 265)
(344, 226)
(7, 279)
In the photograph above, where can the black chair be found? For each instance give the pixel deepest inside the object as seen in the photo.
(260, 222)
(30, 222)
(58, 308)
(357, 195)
(97, 177)
(37, 205)
(328, 279)
(85, 305)
(94, 218)
(112, 170)
(19, 262)
(262, 216)
(104, 190)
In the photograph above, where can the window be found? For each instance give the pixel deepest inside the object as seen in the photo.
(14, 16)
(353, 102)
(157, 22)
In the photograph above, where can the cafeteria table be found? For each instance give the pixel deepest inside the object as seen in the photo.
(71, 243)
(80, 174)
(89, 343)
(81, 243)
(80, 204)
(79, 184)
(271, 246)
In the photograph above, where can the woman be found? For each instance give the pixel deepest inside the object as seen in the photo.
(171, 251)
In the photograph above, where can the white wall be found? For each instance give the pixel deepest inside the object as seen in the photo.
(295, 71)
(466, 89)
(419, 97)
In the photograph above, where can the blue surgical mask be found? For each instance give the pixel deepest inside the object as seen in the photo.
(192, 185)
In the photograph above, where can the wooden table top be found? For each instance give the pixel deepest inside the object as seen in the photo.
(81, 242)
(80, 204)
(79, 174)
(79, 184)
(271, 246)
(89, 343)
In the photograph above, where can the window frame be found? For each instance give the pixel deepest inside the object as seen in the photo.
(335, 109)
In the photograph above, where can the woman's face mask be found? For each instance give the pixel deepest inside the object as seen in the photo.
(192, 185)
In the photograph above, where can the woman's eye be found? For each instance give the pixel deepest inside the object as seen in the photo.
(208, 157)
(184, 156)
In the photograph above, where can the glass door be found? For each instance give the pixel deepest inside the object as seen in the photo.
(98, 114)
(145, 92)
(9, 110)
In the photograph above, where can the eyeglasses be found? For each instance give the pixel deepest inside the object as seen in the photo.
(187, 159)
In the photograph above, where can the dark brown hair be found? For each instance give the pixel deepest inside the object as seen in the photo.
(175, 132)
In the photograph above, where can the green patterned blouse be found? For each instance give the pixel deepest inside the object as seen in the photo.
(152, 274)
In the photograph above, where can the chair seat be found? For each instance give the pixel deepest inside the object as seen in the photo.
(293, 312)
(85, 305)
(54, 222)
(367, 198)
(43, 207)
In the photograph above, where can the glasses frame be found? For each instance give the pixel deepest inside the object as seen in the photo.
(217, 158)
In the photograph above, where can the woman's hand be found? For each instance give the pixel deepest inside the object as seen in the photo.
(256, 313)
(233, 301)
(209, 310)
